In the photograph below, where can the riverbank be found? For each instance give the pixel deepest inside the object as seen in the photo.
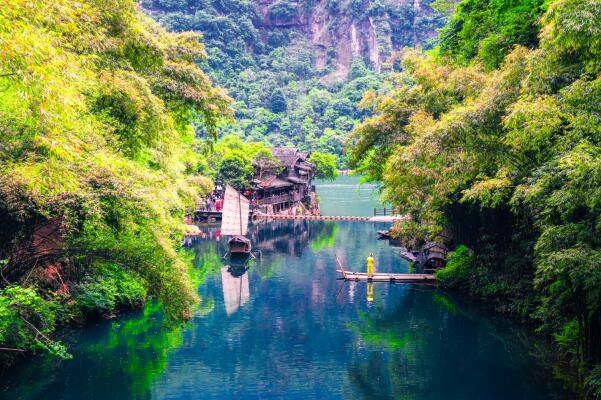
(318, 336)
(290, 314)
(97, 165)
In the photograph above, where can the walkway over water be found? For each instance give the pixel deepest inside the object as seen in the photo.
(213, 216)
(389, 218)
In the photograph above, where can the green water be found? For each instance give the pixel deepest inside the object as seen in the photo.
(288, 329)
(347, 197)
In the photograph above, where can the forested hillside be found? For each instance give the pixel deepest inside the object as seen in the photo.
(99, 112)
(492, 140)
(298, 69)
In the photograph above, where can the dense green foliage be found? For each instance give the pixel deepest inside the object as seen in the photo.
(325, 165)
(270, 71)
(459, 266)
(99, 113)
(506, 160)
(488, 30)
(25, 321)
(233, 161)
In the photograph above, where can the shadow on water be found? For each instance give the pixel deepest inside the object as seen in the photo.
(431, 346)
(283, 326)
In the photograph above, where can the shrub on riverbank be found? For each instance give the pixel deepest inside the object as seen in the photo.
(459, 264)
(503, 153)
(99, 109)
(26, 320)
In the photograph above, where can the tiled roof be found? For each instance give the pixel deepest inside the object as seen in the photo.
(288, 156)
(274, 182)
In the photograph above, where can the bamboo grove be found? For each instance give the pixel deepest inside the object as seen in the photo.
(99, 109)
(500, 150)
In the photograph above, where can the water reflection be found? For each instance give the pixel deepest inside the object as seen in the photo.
(370, 293)
(283, 326)
(121, 357)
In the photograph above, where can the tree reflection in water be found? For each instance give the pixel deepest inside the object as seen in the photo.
(300, 333)
(427, 343)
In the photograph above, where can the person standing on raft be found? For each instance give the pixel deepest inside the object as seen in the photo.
(370, 265)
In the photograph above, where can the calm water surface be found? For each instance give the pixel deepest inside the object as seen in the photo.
(346, 196)
(287, 328)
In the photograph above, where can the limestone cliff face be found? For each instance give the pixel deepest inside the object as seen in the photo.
(343, 30)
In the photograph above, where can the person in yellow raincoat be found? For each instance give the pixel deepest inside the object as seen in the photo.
(370, 265)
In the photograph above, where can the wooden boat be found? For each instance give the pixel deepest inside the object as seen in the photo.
(239, 245)
(234, 221)
(434, 256)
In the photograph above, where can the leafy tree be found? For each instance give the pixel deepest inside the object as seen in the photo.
(487, 30)
(236, 171)
(97, 157)
(265, 163)
(502, 150)
(325, 165)
(277, 101)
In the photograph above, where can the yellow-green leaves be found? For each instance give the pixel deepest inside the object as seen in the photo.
(98, 112)
(573, 28)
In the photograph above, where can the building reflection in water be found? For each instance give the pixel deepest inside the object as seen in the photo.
(272, 242)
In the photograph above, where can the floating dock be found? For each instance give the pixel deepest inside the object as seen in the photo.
(385, 276)
(388, 277)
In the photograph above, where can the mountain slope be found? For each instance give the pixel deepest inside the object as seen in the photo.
(297, 69)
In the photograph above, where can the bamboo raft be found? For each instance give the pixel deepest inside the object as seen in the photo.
(385, 276)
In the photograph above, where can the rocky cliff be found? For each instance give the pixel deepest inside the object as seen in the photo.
(341, 31)
(298, 68)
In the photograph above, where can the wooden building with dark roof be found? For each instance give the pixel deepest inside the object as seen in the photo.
(290, 188)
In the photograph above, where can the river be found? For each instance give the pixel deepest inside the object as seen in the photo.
(287, 328)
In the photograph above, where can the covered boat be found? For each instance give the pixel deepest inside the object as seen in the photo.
(435, 255)
(234, 221)
(239, 245)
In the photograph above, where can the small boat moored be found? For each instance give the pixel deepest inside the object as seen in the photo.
(234, 221)
(239, 245)
(434, 256)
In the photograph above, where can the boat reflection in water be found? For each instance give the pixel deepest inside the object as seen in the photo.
(234, 280)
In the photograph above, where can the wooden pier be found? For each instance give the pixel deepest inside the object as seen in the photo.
(389, 277)
(385, 276)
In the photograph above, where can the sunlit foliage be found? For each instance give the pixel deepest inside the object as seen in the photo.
(325, 165)
(99, 110)
(507, 159)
